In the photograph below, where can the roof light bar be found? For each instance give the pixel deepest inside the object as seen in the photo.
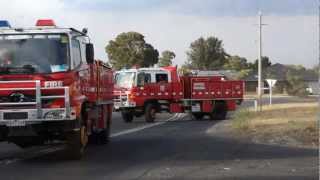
(4, 24)
(45, 22)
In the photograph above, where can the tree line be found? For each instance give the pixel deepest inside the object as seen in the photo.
(130, 49)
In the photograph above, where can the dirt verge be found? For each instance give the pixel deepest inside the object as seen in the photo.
(293, 124)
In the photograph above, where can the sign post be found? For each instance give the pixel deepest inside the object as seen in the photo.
(271, 83)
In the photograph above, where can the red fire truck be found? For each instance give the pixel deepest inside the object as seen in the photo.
(147, 91)
(52, 89)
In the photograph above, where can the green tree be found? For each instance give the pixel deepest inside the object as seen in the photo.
(295, 81)
(265, 63)
(151, 56)
(238, 64)
(166, 58)
(206, 54)
(129, 49)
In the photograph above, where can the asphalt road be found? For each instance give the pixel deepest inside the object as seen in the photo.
(175, 147)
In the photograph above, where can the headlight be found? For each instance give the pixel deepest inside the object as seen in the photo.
(56, 114)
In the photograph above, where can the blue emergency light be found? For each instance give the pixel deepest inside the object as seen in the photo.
(4, 23)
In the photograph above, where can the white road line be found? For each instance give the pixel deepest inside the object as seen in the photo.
(129, 131)
(179, 117)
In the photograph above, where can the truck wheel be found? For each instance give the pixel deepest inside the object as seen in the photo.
(77, 140)
(150, 113)
(127, 116)
(222, 115)
(219, 112)
(198, 116)
(104, 135)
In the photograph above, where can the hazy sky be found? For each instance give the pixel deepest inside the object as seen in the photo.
(291, 36)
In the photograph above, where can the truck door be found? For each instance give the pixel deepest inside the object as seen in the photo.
(163, 87)
(144, 86)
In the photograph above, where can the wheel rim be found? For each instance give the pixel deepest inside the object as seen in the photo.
(153, 113)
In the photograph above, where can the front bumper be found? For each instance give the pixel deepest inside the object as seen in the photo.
(123, 104)
(35, 113)
(23, 117)
(121, 100)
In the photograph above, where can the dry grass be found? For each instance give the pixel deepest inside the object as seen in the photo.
(296, 122)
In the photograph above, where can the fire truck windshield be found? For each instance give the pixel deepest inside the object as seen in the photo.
(26, 54)
(125, 79)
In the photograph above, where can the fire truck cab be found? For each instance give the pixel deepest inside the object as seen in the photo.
(51, 88)
(143, 91)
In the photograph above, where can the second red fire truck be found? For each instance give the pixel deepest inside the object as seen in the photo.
(147, 91)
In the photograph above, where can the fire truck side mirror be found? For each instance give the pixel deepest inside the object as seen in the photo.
(89, 53)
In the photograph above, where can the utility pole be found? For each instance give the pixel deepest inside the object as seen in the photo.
(319, 64)
(259, 63)
(319, 48)
(319, 69)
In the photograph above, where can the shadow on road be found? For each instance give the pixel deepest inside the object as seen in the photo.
(184, 141)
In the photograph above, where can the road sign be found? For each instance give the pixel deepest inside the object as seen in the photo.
(271, 83)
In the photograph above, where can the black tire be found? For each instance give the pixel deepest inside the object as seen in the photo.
(76, 141)
(150, 113)
(198, 116)
(104, 135)
(127, 116)
(220, 111)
